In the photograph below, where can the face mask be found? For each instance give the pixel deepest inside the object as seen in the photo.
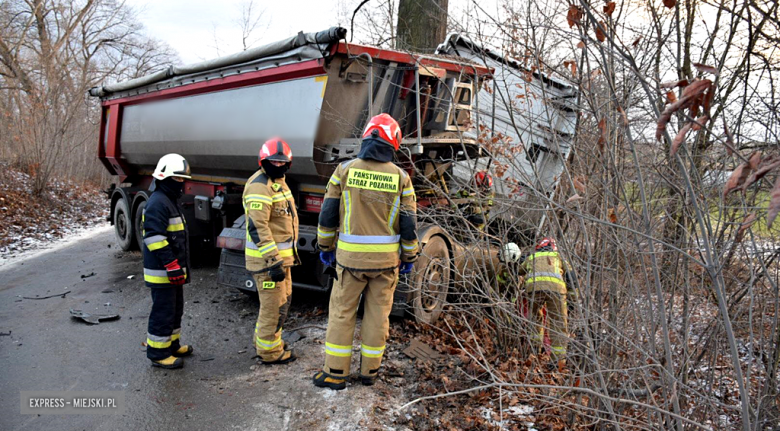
(274, 172)
(172, 187)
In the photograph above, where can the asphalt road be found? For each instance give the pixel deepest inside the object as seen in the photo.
(219, 387)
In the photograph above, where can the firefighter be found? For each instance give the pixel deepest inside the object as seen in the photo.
(371, 203)
(166, 262)
(548, 282)
(271, 237)
(478, 204)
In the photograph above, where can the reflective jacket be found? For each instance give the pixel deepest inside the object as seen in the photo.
(371, 205)
(271, 223)
(165, 239)
(476, 207)
(545, 270)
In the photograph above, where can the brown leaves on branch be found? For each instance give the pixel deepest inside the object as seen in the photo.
(602, 134)
(574, 16)
(764, 167)
(579, 185)
(571, 65)
(671, 97)
(675, 84)
(737, 178)
(609, 8)
(600, 35)
(670, 3)
(706, 69)
(749, 220)
(696, 95)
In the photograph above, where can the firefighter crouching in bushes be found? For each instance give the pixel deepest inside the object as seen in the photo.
(548, 283)
(476, 207)
(271, 236)
(371, 203)
(166, 262)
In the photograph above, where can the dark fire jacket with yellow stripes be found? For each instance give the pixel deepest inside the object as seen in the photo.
(165, 239)
(372, 206)
(271, 223)
(546, 270)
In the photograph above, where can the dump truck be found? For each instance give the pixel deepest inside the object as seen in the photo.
(317, 92)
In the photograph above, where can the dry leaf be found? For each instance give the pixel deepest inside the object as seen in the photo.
(581, 44)
(636, 42)
(671, 97)
(767, 165)
(571, 64)
(612, 216)
(736, 179)
(689, 96)
(670, 3)
(749, 220)
(600, 35)
(729, 138)
(774, 204)
(700, 122)
(754, 160)
(575, 197)
(679, 139)
(680, 83)
(609, 8)
(574, 16)
(578, 185)
(706, 69)
(603, 125)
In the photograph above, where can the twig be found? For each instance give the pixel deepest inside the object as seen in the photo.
(50, 296)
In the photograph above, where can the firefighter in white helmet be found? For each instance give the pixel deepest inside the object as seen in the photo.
(370, 204)
(166, 262)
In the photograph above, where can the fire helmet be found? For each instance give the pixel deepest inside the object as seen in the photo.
(546, 243)
(172, 165)
(385, 129)
(276, 150)
(483, 180)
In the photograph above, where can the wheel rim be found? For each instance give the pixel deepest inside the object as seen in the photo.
(121, 224)
(432, 283)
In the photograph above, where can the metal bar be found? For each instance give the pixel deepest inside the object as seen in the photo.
(417, 105)
(370, 61)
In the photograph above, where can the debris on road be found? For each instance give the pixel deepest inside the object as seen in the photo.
(92, 318)
(62, 295)
(420, 350)
(5, 334)
(88, 275)
(130, 277)
(207, 359)
(292, 336)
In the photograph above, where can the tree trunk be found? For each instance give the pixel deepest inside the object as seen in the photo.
(422, 24)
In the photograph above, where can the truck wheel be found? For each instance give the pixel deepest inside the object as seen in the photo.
(138, 223)
(123, 226)
(430, 281)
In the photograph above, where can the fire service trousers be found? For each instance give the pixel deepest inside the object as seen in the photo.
(557, 321)
(275, 299)
(164, 328)
(377, 288)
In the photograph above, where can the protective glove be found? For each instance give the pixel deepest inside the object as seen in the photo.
(327, 257)
(176, 274)
(277, 273)
(405, 267)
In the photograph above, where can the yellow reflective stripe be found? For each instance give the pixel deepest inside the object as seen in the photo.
(347, 210)
(157, 245)
(156, 279)
(368, 248)
(542, 254)
(372, 180)
(408, 191)
(287, 252)
(262, 251)
(325, 233)
(268, 344)
(558, 350)
(281, 196)
(550, 279)
(175, 227)
(262, 198)
(409, 246)
(158, 344)
(175, 337)
(338, 350)
(335, 180)
(393, 214)
(371, 352)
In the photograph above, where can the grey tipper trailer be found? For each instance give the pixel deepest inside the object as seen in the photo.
(317, 92)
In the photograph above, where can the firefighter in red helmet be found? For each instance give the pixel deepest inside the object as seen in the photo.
(475, 202)
(549, 283)
(370, 205)
(271, 236)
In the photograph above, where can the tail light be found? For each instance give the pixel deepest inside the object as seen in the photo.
(233, 239)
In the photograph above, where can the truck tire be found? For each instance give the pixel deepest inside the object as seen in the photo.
(123, 226)
(138, 224)
(430, 281)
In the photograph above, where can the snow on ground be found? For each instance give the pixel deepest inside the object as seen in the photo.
(65, 210)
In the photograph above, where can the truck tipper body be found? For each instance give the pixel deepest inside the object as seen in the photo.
(317, 92)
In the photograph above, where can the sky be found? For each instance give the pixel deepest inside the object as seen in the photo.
(191, 26)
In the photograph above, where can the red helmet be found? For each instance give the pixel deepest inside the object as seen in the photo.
(546, 243)
(384, 128)
(483, 180)
(275, 149)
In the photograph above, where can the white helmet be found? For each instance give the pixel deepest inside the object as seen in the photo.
(510, 253)
(172, 165)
